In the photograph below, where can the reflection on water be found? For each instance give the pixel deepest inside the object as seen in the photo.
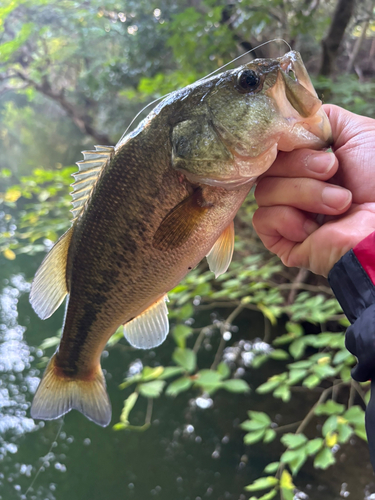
(17, 378)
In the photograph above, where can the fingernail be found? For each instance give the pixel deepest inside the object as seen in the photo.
(336, 197)
(310, 226)
(321, 162)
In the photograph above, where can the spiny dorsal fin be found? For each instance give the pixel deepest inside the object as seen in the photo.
(89, 170)
(221, 253)
(49, 286)
(150, 328)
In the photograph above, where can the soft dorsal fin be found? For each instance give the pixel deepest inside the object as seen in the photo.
(220, 255)
(89, 170)
(49, 286)
(150, 328)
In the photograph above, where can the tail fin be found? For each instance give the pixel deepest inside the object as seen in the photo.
(56, 395)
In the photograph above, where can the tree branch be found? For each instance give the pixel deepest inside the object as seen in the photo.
(82, 121)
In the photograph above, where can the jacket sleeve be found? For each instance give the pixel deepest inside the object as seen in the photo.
(352, 280)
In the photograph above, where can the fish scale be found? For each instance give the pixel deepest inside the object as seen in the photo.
(148, 210)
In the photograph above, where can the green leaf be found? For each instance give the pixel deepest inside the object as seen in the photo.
(311, 381)
(329, 408)
(50, 342)
(287, 494)
(296, 376)
(149, 373)
(208, 380)
(235, 385)
(186, 311)
(185, 358)
(253, 425)
(254, 437)
(345, 374)
(224, 370)
(259, 416)
(268, 313)
(171, 371)
(128, 406)
(324, 459)
(286, 486)
(301, 365)
(291, 455)
(330, 425)
(279, 354)
(271, 468)
(269, 386)
(314, 446)
(180, 334)
(268, 496)
(343, 355)
(355, 415)
(297, 348)
(151, 389)
(294, 328)
(344, 433)
(180, 385)
(259, 360)
(360, 431)
(262, 483)
(293, 441)
(9, 48)
(299, 460)
(283, 392)
(324, 371)
(269, 436)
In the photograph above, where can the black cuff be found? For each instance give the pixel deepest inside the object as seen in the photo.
(360, 341)
(352, 286)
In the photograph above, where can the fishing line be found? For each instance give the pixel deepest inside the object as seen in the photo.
(245, 54)
(45, 461)
(201, 79)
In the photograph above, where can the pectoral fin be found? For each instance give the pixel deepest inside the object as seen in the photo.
(178, 225)
(220, 255)
(150, 328)
(49, 287)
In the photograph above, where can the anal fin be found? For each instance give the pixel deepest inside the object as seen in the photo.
(220, 255)
(150, 328)
(56, 395)
(49, 286)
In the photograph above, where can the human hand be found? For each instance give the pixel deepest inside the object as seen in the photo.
(294, 191)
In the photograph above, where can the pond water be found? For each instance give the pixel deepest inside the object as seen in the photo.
(193, 449)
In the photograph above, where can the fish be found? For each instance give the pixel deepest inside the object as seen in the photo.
(149, 209)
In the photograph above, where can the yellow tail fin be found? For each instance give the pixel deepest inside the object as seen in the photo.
(56, 395)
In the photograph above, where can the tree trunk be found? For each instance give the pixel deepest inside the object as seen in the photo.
(357, 47)
(330, 44)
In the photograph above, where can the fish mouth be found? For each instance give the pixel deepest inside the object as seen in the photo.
(300, 106)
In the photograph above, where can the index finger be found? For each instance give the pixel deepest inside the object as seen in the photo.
(304, 163)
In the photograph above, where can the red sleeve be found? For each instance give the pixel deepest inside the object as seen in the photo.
(365, 253)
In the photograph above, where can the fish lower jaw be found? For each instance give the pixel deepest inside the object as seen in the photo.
(228, 184)
(243, 171)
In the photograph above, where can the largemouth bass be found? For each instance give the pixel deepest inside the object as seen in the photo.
(149, 209)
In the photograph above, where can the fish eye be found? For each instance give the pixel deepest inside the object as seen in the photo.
(248, 81)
